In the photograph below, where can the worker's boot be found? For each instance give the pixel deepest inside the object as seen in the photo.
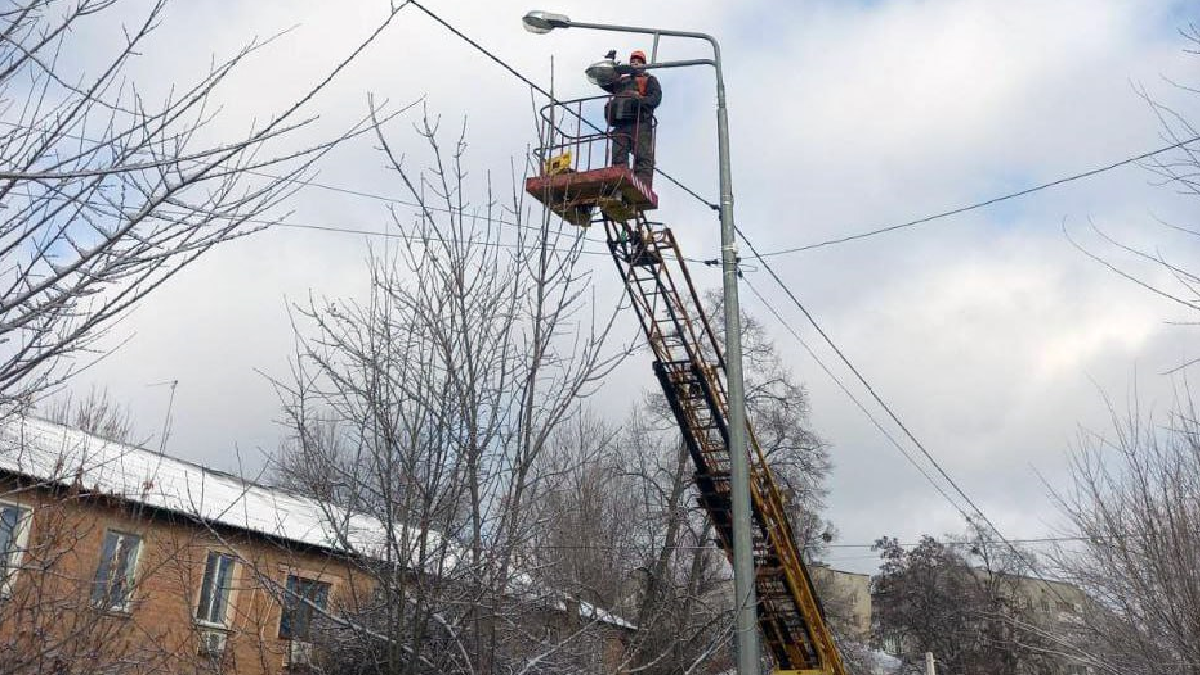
(580, 215)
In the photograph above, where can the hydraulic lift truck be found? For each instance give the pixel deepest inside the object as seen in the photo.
(577, 183)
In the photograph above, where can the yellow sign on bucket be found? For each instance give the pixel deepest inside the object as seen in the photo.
(558, 164)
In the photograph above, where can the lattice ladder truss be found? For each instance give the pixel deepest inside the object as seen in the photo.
(690, 368)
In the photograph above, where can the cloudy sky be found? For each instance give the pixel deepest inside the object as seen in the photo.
(989, 333)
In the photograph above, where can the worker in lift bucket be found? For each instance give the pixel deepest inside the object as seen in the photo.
(630, 113)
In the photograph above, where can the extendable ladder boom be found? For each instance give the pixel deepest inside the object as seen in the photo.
(579, 183)
(690, 367)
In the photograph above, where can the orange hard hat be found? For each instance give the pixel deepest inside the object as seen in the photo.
(638, 54)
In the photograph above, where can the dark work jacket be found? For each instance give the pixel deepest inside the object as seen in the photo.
(644, 98)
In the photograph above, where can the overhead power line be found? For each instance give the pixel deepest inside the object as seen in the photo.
(464, 212)
(825, 336)
(979, 205)
(846, 390)
(412, 205)
(815, 545)
(864, 382)
(538, 88)
(404, 235)
(993, 529)
(1032, 540)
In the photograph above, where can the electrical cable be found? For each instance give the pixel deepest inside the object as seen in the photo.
(862, 408)
(840, 354)
(684, 547)
(403, 235)
(537, 88)
(761, 257)
(979, 205)
(1034, 540)
(1033, 567)
(1010, 542)
(307, 183)
(413, 237)
(859, 376)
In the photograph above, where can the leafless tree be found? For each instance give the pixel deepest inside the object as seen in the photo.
(1179, 171)
(432, 406)
(968, 604)
(107, 190)
(1133, 496)
(97, 413)
(778, 406)
(623, 529)
(1135, 503)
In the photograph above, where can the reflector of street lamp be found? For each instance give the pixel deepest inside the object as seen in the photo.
(601, 73)
(541, 22)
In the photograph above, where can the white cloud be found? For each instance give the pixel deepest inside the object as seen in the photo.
(988, 332)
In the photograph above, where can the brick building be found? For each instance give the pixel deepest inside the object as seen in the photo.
(117, 559)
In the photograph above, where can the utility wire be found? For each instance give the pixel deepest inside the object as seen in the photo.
(863, 380)
(412, 205)
(1034, 540)
(405, 236)
(862, 408)
(686, 547)
(308, 183)
(979, 205)
(825, 336)
(413, 237)
(894, 417)
(517, 74)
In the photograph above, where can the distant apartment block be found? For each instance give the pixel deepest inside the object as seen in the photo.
(847, 598)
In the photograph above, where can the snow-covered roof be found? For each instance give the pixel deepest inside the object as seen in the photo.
(59, 455)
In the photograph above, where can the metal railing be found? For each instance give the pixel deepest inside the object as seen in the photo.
(575, 135)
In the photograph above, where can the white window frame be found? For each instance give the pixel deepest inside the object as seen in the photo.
(230, 598)
(126, 606)
(21, 542)
(308, 577)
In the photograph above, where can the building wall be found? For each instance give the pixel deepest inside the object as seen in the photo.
(49, 619)
(1058, 607)
(48, 625)
(846, 597)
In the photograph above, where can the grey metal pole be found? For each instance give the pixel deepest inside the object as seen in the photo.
(746, 618)
(929, 669)
(743, 543)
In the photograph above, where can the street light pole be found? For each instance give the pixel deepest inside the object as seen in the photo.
(746, 624)
(743, 552)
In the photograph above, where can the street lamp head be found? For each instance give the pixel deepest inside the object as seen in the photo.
(601, 73)
(541, 22)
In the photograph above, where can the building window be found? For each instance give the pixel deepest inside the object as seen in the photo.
(302, 600)
(14, 531)
(113, 590)
(215, 589)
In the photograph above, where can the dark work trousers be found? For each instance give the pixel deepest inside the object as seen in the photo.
(623, 140)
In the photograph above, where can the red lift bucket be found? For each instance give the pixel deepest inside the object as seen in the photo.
(576, 179)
